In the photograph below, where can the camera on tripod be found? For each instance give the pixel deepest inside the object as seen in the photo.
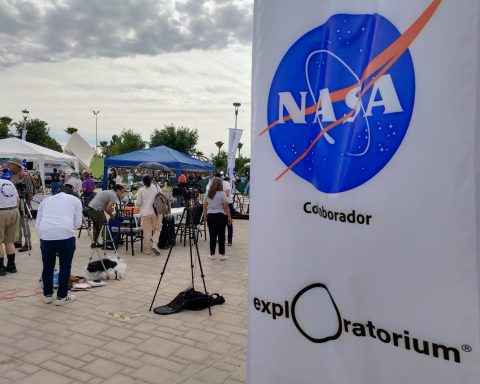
(187, 191)
(21, 190)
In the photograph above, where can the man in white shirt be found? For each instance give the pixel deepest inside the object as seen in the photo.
(57, 218)
(9, 218)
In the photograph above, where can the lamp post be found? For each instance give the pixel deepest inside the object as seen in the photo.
(96, 131)
(236, 106)
(24, 130)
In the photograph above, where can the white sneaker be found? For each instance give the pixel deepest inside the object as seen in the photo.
(223, 257)
(65, 300)
(48, 299)
(156, 250)
(211, 257)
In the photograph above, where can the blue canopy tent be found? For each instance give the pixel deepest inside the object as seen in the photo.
(164, 155)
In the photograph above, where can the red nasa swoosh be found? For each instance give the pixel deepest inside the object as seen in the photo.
(377, 67)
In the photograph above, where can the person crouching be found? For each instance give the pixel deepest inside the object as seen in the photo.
(57, 218)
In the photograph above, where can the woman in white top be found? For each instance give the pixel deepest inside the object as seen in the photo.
(151, 222)
(215, 209)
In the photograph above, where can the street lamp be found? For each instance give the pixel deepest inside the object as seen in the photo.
(236, 106)
(24, 130)
(96, 131)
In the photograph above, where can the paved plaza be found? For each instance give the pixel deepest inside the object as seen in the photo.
(91, 340)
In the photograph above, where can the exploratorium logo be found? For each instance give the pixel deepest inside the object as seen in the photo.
(342, 99)
(327, 324)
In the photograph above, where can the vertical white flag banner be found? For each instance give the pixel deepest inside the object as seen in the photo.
(234, 136)
(364, 262)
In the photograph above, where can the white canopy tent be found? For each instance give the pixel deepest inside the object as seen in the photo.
(13, 147)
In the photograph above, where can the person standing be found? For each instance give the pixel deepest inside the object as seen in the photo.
(22, 181)
(227, 188)
(215, 209)
(57, 218)
(9, 218)
(151, 222)
(88, 186)
(102, 203)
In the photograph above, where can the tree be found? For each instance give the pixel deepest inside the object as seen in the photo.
(219, 144)
(220, 160)
(104, 148)
(240, 145)
(181, 139)
(128, 141)
(71, 130)
(240, 165)
(5, 122)
(38, 133)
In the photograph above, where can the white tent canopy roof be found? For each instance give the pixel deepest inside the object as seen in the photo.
(13, 147)
(77, 146)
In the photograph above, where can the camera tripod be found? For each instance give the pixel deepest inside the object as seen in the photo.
(96, 251)
(25, 215)
(190, 218)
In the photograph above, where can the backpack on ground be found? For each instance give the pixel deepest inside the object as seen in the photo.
(161, 204)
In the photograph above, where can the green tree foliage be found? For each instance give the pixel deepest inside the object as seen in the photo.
(220, 161)
(5, 122)
(38, 133)
(104, 148)
(240, 145)
(71, 130)
(181, 139)
(240, 165)
(219, 144)
(127, 141)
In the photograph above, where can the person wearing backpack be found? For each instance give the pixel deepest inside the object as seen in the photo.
(151, 220)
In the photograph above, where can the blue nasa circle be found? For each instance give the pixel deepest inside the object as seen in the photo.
(330, 58)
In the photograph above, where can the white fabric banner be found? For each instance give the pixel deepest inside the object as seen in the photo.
(234, 136)
(364, 251)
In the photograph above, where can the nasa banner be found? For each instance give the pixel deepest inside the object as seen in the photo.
(365, 210)
(234, 136)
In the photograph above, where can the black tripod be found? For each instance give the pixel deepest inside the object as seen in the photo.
(191, 217)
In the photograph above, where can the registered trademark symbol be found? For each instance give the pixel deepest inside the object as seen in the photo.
(466, 348)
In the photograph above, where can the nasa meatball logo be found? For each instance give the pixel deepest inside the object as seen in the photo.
(342, 98)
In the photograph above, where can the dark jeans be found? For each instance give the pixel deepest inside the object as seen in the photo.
(216, 228)
(55, 187)
(65, 250)
(230, 226)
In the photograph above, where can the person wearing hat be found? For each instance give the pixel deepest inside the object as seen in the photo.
(22, 181)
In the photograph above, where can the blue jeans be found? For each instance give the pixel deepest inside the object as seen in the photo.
(55, 187)
(230, 226)
(65, 250)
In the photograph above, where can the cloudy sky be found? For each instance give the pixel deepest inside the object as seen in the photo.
(142, 63)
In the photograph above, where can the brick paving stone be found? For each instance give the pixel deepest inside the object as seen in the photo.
(192, 354)
(38, 356)
(102, 368)
(79, 375)
(212, 375)
(152, 374)
(158, 347)
(44, 376)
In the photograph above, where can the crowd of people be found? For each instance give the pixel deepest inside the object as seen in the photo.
(73, 194)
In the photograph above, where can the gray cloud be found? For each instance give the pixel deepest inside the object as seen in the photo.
(58, 30)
